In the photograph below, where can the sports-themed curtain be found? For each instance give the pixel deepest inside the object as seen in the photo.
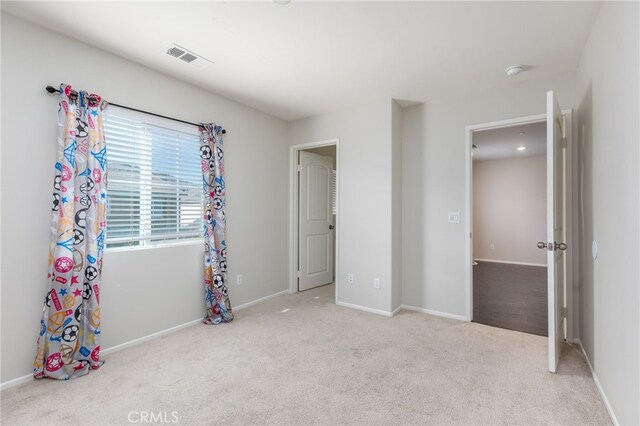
(68, 345)
(215, 228)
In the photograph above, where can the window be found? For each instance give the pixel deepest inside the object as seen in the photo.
(334, 207)
(154, 187)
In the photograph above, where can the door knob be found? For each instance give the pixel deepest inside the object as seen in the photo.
(542, 245)
(559, 246)
(331, 226)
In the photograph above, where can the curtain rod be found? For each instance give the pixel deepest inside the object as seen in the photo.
(53, 90)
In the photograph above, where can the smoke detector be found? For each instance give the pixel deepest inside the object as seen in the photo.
(514, 70)
(187, 56)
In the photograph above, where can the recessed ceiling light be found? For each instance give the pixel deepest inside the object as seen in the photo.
(521, 148)
(514, 70)
(521, 133)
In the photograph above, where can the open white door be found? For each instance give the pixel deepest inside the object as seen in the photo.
(556, 228)
(316, 221)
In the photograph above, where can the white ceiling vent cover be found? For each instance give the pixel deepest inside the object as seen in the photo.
(187, 56)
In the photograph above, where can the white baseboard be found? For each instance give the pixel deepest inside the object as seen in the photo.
(436, 313)
(365, 309)
(544, 265)
(15, 382)
(262, 299)
(151, 336)
(26, 378)
(595, 379)
(20, 380)
(396, 310)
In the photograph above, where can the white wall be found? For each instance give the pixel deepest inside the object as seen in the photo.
(509, 209)
(325, 151)
(143, 291)
(396, 205)
(608, 111)
(433, 166)
(365, 197)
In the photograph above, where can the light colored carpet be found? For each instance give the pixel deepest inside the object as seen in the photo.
(318, 363)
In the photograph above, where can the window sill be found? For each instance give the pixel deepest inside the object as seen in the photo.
(161, 245)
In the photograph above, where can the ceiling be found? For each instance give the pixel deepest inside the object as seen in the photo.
(306, 58)
(501, 143)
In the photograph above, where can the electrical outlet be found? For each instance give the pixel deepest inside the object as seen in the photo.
(492, 246)
(350, 278)
(239, 279)
(376, 283)
(454, 217)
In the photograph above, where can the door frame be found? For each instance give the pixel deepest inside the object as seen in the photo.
(293, 210)
(569, 193)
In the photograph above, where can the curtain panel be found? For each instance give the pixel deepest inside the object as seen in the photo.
(215, 228)
(68, 345)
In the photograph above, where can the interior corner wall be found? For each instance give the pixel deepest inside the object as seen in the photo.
(433, 176)
(365, 198)
(510, 209)
(608, 151)
(396, 205)
(143, 291)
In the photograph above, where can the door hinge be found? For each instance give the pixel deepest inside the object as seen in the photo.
(564, 312)
(298, 168)
(297, 274)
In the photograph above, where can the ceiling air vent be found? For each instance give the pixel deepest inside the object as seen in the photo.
(175, 52)
(187, 56)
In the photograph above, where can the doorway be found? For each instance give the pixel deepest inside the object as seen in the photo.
(558, 242)
(509, 218)
(314, 215)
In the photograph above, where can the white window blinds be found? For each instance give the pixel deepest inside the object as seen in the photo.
(154, 187)
(333, 193)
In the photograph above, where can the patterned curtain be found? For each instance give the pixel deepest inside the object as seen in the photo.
(215, 228)
(68, 345)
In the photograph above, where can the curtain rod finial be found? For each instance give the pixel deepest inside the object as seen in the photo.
(51, 89)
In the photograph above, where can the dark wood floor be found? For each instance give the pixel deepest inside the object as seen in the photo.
(511, 296)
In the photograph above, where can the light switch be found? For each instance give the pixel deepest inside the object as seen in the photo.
(454, 217)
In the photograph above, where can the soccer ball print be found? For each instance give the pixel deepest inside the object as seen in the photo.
(214, 226)
(68, 341)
